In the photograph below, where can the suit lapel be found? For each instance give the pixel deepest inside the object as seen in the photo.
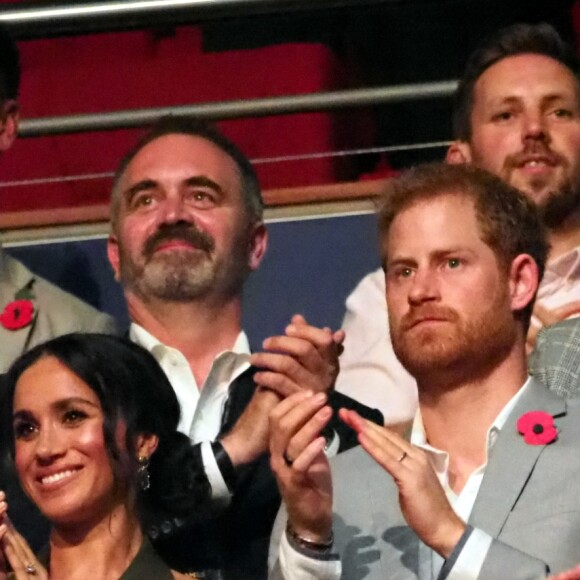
(13, 277)
(511, 461)
(240, 393)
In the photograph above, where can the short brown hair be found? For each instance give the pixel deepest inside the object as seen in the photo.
(509, 223)
(510, 41)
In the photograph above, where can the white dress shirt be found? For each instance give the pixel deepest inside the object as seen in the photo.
(201, 407)
(561, 283)
(369, 370)
(471, 559)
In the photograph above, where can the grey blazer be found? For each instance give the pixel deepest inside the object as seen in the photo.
(529, 502)
(56, 312)
(556, 358)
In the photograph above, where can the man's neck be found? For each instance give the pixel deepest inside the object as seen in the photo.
(457, 419)
(200, 331)
(565, 237)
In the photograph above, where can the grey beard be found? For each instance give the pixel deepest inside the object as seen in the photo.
(176, 283)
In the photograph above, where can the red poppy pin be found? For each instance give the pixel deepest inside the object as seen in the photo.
(17, 314)
(537, 427)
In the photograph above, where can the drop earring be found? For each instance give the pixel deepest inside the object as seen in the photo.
(143, 473)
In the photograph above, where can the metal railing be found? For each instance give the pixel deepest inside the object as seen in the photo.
(238, 108)
(36, 19)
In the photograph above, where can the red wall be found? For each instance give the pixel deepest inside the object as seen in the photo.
(108, 72)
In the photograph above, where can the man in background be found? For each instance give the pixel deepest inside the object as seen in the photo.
(32, 309)
(516, 114)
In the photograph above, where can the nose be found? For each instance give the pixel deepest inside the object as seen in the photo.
(175, 210)
(535, 128)
(50, 445)
(424, 287)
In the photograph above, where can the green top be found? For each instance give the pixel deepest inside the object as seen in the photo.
(147, 565)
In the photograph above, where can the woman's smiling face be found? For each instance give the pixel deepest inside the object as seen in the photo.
(60, 452)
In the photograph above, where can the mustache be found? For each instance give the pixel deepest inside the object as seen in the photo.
(535, 148)
(185, 232)
(419, 313)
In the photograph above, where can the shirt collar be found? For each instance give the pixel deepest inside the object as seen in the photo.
(149, 342)
(419, 437)
(565, 267)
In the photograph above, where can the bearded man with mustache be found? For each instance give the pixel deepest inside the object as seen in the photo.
(187, 230)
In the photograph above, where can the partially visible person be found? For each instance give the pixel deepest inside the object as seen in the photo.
(32, 309)
(486, 486)
(90, 426)
(556, 359)
(370, 372)
(516, 114)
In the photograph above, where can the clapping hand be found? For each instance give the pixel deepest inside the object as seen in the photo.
(15, 553)
(422, 499)
(300, 465)
(305, 357)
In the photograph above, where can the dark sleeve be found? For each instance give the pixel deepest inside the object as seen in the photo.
(348, 437)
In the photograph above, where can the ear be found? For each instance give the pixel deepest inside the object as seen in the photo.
(258, 245)
(10, 117)
(146, 444)
(458, 152)
(523, 281)
(113, 255)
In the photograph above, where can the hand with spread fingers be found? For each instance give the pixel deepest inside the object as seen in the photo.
(421, 497)
(300, 465)
(15, 553)
(306, 357)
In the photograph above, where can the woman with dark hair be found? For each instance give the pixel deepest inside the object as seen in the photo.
(90, 425)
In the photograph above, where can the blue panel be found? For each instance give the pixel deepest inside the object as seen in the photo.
(310, 267)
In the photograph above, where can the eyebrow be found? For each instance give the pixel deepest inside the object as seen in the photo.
(150, 184)
(435, 255)
(515, 99)
(59, 405)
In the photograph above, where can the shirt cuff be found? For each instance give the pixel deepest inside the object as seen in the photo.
(306, 564)
(219, 489)
(332, 444)
(467, 558)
